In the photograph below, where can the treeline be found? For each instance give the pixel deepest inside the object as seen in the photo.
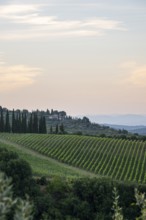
(132, 137)
(22, 122)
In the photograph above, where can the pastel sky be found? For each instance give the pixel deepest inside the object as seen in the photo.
(81, 56)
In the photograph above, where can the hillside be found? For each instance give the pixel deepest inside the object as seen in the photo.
(141, 130)
(81, 126)
(118, 159)
(24, 121)
(42, 165)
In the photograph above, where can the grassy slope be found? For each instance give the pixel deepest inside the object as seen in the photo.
(118, 159)
(42, 165)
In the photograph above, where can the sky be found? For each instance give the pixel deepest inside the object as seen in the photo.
(82, 56)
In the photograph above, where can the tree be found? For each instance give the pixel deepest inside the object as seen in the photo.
(24, 123)
(52, 111)
(18, 122)
(56, 130)
(22, 208)
(62, 128)
(86, 120)
(7, 124)
(117, 209)
(1, 121)
(48, 112)
(13, 122)
(51, 129)
(18, 169)
(35, 123)
(141, 202)
(42, 125)
(30, 125)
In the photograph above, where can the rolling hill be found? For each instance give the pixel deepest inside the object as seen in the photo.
(122, 160)
(22, 121)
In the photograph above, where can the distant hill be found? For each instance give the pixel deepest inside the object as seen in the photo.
(132, 129)
(128, 120)
(141, 131)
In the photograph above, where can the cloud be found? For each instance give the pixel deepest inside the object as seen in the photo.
(128, 65)
(2, 62)
(138, 77)
(34, 24)
(7, 11)
(38, 34)
(17, 76)
(136, 74)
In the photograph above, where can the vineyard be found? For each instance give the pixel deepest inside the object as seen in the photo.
(122, 160)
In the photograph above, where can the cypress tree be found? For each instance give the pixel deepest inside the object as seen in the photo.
(1, 121)
(24, 123)
(44, 125)
(52, 111)
(56, 130)
(19, 122)
(13, 122)
(40, 125)
(30, 122)
(7, 123)
(48, 112)
(51, 130)
(35, 123)
(62, 128)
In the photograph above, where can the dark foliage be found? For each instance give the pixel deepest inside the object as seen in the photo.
(22, 122)
(20, 172)
(62, 199)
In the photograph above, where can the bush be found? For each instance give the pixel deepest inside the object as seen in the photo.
(17, 208)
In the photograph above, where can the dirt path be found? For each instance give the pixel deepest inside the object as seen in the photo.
(36, 154)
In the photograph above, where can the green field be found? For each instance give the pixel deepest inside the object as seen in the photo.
(118, 159)
(44, 166)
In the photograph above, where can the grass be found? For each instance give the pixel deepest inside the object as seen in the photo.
(121, 160)
(43, 166)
